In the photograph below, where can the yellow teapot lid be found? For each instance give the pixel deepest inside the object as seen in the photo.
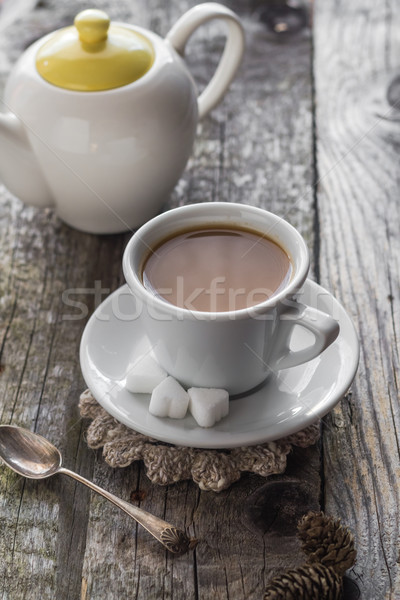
(92, 55)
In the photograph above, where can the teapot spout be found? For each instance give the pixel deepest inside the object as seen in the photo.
(19, 169)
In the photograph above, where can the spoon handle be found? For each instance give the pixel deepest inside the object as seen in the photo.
(175, 540)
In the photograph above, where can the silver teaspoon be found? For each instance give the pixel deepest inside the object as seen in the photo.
(34, 457)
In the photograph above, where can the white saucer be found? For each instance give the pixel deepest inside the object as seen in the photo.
(114, 339)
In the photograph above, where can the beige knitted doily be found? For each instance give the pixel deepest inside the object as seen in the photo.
(213, 470)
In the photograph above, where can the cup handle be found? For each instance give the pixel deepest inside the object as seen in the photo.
(231, 57)
(323, 326)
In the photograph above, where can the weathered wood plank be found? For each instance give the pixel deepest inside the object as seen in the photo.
(255, 148)
(358, 139)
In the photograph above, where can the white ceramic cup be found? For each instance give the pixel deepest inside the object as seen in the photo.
(234, 350)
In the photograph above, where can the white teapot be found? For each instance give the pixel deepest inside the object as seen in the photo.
(102, 118)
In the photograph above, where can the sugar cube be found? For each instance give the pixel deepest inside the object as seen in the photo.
(145, 375)
(208, 405)
(169, 399)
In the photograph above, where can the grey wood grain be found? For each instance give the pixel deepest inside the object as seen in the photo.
(56, 540)
(358, 205)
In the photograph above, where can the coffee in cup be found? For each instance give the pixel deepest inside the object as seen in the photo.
(216, 269)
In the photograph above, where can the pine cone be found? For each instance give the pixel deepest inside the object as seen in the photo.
(309, 582)
(326, 541)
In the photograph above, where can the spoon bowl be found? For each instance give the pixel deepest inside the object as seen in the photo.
(34, 457)
(27, 453)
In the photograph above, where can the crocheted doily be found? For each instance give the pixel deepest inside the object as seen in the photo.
(212, 470)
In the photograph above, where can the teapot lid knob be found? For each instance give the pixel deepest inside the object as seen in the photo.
(92, 25)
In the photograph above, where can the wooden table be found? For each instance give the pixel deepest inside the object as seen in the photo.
(310, 130)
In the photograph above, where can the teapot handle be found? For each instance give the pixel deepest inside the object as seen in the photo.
(232, 55)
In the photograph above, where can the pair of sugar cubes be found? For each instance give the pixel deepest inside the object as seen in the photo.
(170, 399)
